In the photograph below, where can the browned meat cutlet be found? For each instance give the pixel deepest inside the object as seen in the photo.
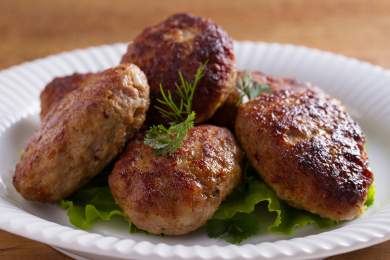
(56, 90)
(82, 134)
(178, 193)
(182, 43)
(308, 149)
(226, 114)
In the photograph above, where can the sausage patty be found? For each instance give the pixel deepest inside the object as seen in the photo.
(82, 134)
(178, 193)
(308, 149)
(182, 43)
(58, 88)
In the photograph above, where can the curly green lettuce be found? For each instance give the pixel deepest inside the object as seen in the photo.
(254, 208)
(89, 205)
(93, 203)
(370, 196)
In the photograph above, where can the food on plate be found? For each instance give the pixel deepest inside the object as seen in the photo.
(302, 159)
(86, 130)
(177, 193)
(308, 149)
(55, 90)
(249, 84)
(182, 43)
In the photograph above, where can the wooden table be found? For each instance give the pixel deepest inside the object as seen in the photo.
(32, 29)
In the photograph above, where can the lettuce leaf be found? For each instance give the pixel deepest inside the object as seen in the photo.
(293, 218)
(254, 208)
(370, 196)
(92, 203)
(89, 205)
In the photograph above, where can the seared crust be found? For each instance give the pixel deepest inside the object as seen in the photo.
(82, 134)
(177, 194)
(182, 43)
(308, 149)
(55, 90)
(226, 114)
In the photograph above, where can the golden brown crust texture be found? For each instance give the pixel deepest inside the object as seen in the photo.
(226, 114)
(182, 43)
(58, 88)
(82, 134)
(308, 149)
(177, 194)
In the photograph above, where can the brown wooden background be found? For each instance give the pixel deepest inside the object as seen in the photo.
(35, 28)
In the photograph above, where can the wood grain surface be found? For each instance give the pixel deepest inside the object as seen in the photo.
(33, 29)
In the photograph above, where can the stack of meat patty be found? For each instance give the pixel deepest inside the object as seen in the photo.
(300, 140)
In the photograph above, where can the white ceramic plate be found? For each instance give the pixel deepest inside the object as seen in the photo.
(364, 88)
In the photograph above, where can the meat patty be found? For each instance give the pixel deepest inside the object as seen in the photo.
(82, 134)
(177, 194)
(182, 43)
(58, 88)
(226, 114)
(308, 149)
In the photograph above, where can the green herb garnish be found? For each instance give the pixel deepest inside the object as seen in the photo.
(166, 140)
(250, 88)
(185, 90)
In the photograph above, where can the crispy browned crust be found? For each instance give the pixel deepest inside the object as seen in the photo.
(226, 114)
(55, 90)
(182, 43)
(177, 194)
(82, 134)
(308, 149)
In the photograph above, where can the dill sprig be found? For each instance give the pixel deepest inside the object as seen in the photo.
(250, 88)
(177, 112)
(166, 140)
